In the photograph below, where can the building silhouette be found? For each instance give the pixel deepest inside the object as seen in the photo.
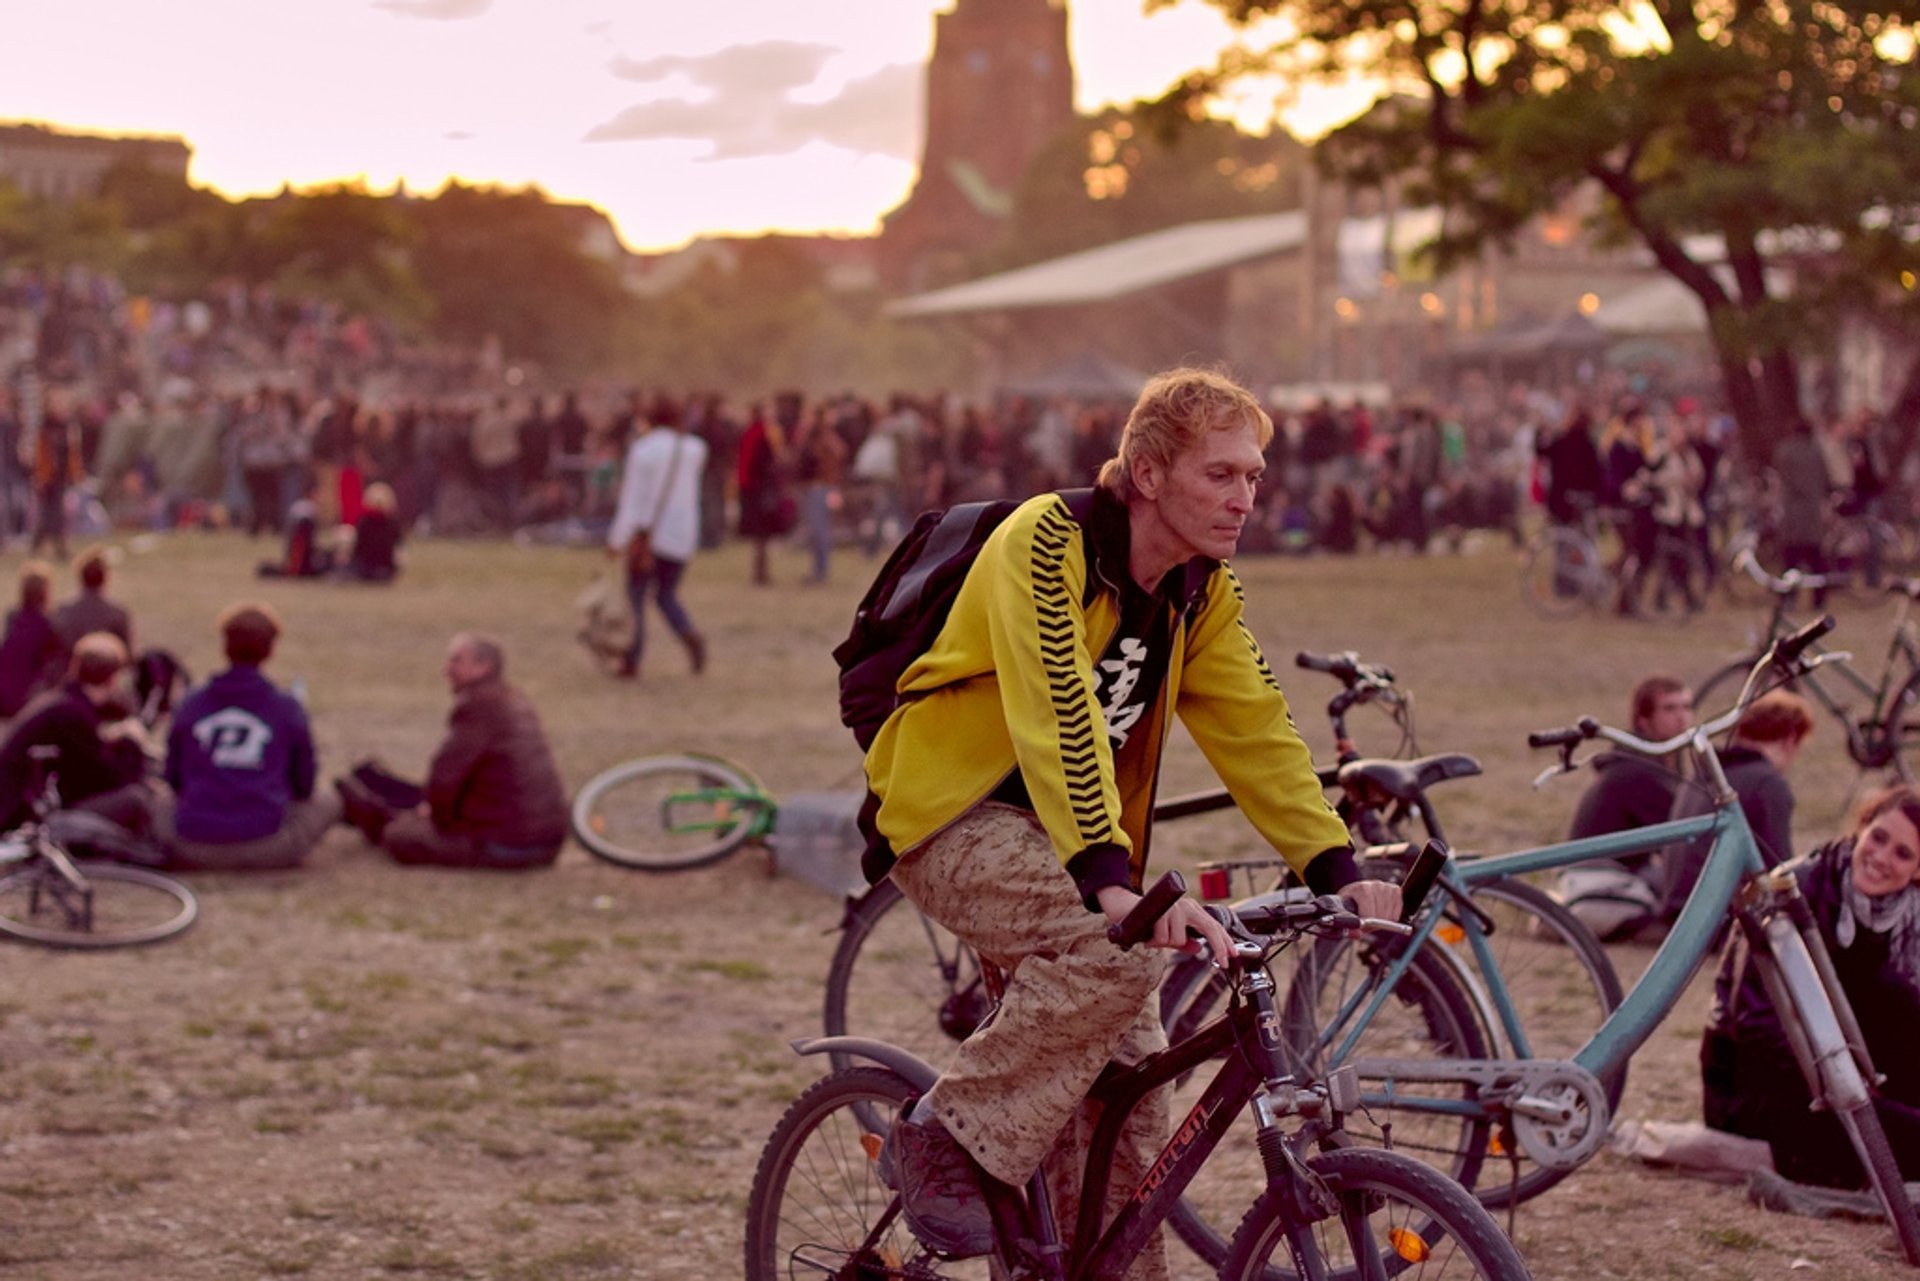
(999, 87)
(55, 165)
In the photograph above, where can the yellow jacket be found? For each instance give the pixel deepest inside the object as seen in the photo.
(1010, 682)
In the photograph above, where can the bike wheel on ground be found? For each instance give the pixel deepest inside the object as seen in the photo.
(818, 1207)
(1564, 574)
(124, 907)
(1397, 1218)
(898, 977)
(1869, 1138)
(667, 813)
(1429, 1017)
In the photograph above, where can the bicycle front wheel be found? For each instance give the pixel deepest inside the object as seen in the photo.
(1397, 1218)
(1903, 728)
(1869, 1140)
(898, 977)
(1427, 1016)
(667, 813)
(1563, 573)
(818, 1207)
(117, 907)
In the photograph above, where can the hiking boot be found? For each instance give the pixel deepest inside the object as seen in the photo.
(942, 1189)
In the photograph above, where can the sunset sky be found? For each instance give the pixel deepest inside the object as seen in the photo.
(676, 118)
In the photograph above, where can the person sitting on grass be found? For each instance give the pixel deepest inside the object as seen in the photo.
(98, 757)
(493, 796)
(30, 649)
(1864, 892)
(241, 761)
(376, 537)
(90, 610)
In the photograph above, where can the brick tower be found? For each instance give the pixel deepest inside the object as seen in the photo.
(999, 86)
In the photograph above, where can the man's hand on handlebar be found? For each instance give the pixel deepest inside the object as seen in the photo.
(1171, 931)
(1374, 900)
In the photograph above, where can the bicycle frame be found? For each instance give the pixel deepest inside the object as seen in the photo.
(1733, 862)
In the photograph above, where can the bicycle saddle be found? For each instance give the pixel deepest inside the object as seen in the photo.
(1406, 780)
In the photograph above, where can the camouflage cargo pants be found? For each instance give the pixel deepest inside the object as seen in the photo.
(1015, 1093)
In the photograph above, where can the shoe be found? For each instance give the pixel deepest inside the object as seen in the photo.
(627, 670)
(361, 809)
(696, 650)
(942, 1189)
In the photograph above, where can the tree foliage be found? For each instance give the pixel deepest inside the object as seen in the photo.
(1766, 152)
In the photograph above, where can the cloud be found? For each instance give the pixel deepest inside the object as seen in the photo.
(746, 104)
(440, 10)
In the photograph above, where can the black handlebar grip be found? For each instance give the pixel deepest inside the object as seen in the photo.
(1316, 662)
(1554, 737)
(1137, 925)
(1789, 648)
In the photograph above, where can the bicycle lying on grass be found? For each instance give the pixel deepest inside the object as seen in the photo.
(671, 813)
(51, 897)
(1555, 1113)
(819, 1207)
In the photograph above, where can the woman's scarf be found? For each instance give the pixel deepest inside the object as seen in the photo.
(1896, 915)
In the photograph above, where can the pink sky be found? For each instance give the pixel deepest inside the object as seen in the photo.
(676, 119)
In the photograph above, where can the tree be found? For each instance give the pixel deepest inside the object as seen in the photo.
(1126, 172)
(1765, 152)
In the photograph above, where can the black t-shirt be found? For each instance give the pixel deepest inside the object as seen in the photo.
(1127, 677)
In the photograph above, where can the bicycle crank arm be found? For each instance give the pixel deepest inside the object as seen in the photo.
(1557, 1108)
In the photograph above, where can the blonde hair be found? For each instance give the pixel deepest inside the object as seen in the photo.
(1167, 419)
(97, 658)
(379, 498)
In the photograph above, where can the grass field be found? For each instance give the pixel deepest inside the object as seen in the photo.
(358, 1070)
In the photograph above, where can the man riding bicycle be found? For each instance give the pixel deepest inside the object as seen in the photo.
(1013, 785)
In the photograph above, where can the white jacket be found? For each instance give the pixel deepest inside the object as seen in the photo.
(651, 463)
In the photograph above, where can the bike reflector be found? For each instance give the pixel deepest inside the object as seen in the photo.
(1215, 883)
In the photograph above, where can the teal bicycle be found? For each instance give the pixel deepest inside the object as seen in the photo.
(1551, 1115)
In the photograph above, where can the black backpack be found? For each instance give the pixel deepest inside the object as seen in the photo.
(908, 603)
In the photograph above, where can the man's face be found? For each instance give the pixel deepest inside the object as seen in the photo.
(1205, 496)
(463, 666)
(1671, 713)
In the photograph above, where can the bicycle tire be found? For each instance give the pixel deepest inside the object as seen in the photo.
(1904, 712)
(817, 1196)
(898, 977)
(132, 906)
(1563, 575)
(1714, 695)
(1430, 1017)
(1416, 1221)
(1869, 1139)
(626, 814)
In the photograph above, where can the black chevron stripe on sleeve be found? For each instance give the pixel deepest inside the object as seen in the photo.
(1075, 722)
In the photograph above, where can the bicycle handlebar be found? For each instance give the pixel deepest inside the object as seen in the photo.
(1789, 582)
(1346, 668)
(1137, 925)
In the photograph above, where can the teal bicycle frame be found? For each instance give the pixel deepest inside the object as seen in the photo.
(1734, 857)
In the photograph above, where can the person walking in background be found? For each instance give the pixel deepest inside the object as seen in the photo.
(493, 796)
(656, 527)
(31, 648)
(241, 762)
(1806, 496)
(764, 505)
(56, 465)
(819, 465)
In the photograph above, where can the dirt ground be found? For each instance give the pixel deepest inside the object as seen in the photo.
(357, 1070)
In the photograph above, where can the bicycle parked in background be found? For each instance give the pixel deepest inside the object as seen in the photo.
(1879, 717)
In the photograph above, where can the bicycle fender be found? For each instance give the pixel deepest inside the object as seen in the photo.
(916, 1070)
